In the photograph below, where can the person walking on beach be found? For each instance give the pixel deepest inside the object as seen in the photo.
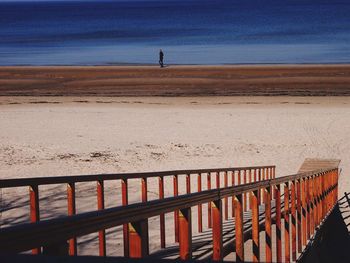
(161, 58)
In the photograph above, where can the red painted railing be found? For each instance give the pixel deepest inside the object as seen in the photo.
(308, 200)
(238, 175)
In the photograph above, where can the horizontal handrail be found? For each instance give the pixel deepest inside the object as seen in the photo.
(238, 176)
(18, 182)
(47, 232)
(29, 235)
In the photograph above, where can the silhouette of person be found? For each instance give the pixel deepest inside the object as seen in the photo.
(161, 58)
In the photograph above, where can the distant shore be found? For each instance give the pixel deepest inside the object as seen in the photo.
(173, 81)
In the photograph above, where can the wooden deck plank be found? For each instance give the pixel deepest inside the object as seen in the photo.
(312, 164)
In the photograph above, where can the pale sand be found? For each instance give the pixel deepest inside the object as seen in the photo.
(58, 136)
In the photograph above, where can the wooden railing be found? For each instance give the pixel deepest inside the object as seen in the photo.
(238, 175)
(308, 199)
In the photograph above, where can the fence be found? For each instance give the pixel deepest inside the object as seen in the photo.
(238, 176)
(308, 198)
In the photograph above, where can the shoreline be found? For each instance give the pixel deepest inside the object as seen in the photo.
(189, 102)
(130, 65)
(176, 81)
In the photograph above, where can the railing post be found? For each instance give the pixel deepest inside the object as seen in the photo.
(254, 180)
(162, 216)
(255, 226)
(307, 206)
(250, 194)
(71, 211)
(319, 178)
(233, 199)
(200, 218)
(226, 198)
(34, 210)
(261, 190)
(217, 229)
(245, 194)
(101, 206)
(298, 186)
(327, 191)
(315, 194)
(138, 239)
(239, 228)
(303, 214)
(239, 177)
(286, 224)
(144, 189)
(255, 175)
(278, 223)
(188, 183)
(316, 200)
(176, 212)
(336, 185)
(311, 198)
(268, 223)
(217, 180)
(264, 178)
(330, 190)
(209, 204)
(185, 234)
(124, 184)
(294, 219)
(324, 206)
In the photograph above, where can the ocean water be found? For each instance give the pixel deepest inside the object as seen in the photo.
(188, 31)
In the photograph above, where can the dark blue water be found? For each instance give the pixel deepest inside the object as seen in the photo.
(189, 32)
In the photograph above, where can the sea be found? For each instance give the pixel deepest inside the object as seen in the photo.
(124, 32)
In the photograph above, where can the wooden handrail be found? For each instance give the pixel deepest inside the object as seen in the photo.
(49, 232)
(34, 184)
(18, 182)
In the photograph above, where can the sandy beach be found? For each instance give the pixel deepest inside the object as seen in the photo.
(48, 136)
(249, 80)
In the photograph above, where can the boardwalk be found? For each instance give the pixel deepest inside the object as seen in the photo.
(202, 247)
(271, 219)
